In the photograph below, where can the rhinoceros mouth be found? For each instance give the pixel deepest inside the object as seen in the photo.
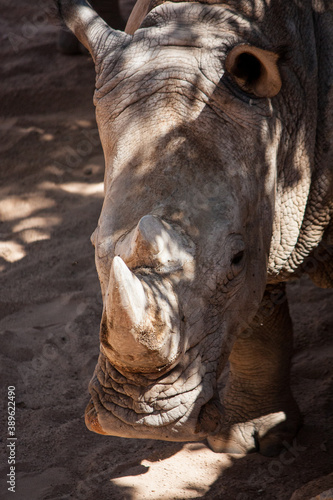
(169, 408)
(91, 419)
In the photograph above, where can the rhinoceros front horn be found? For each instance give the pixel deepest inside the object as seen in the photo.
(89, 27)
(127, 302)
(140, 327)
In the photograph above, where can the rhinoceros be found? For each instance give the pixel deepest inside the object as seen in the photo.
(216, 122)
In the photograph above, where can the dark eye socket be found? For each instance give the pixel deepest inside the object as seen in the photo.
(237, 258)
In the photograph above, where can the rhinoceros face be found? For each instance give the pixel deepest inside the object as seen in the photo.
(190, 141)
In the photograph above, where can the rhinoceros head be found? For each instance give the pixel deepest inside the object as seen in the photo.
(191, 143)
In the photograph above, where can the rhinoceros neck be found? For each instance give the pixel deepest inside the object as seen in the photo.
(315, 187)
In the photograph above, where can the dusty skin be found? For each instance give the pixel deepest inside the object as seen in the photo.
(50, 198)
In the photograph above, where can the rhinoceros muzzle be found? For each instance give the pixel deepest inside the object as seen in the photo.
(147, 368)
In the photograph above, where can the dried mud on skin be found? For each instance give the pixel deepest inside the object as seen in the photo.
(51, 193)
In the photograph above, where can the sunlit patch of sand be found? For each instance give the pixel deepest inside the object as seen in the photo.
(80, 188)
(33, 235)
(187, 474)
(15, 207)
(83, 189)
(11, 251)
(36, 222)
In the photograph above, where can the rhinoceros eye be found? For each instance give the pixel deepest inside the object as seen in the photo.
(254, 70)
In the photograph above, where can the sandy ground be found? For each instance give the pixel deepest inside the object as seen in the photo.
(51, 193)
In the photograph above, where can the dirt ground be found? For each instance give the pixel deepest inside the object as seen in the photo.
(51, 192)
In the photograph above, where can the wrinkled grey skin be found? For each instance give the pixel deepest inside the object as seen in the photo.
(243, 184)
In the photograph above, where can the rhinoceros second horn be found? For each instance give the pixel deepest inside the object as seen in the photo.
(154, 243)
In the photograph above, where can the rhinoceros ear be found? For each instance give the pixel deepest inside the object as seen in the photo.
(139, 12)
(254, 70)
(89, 27)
